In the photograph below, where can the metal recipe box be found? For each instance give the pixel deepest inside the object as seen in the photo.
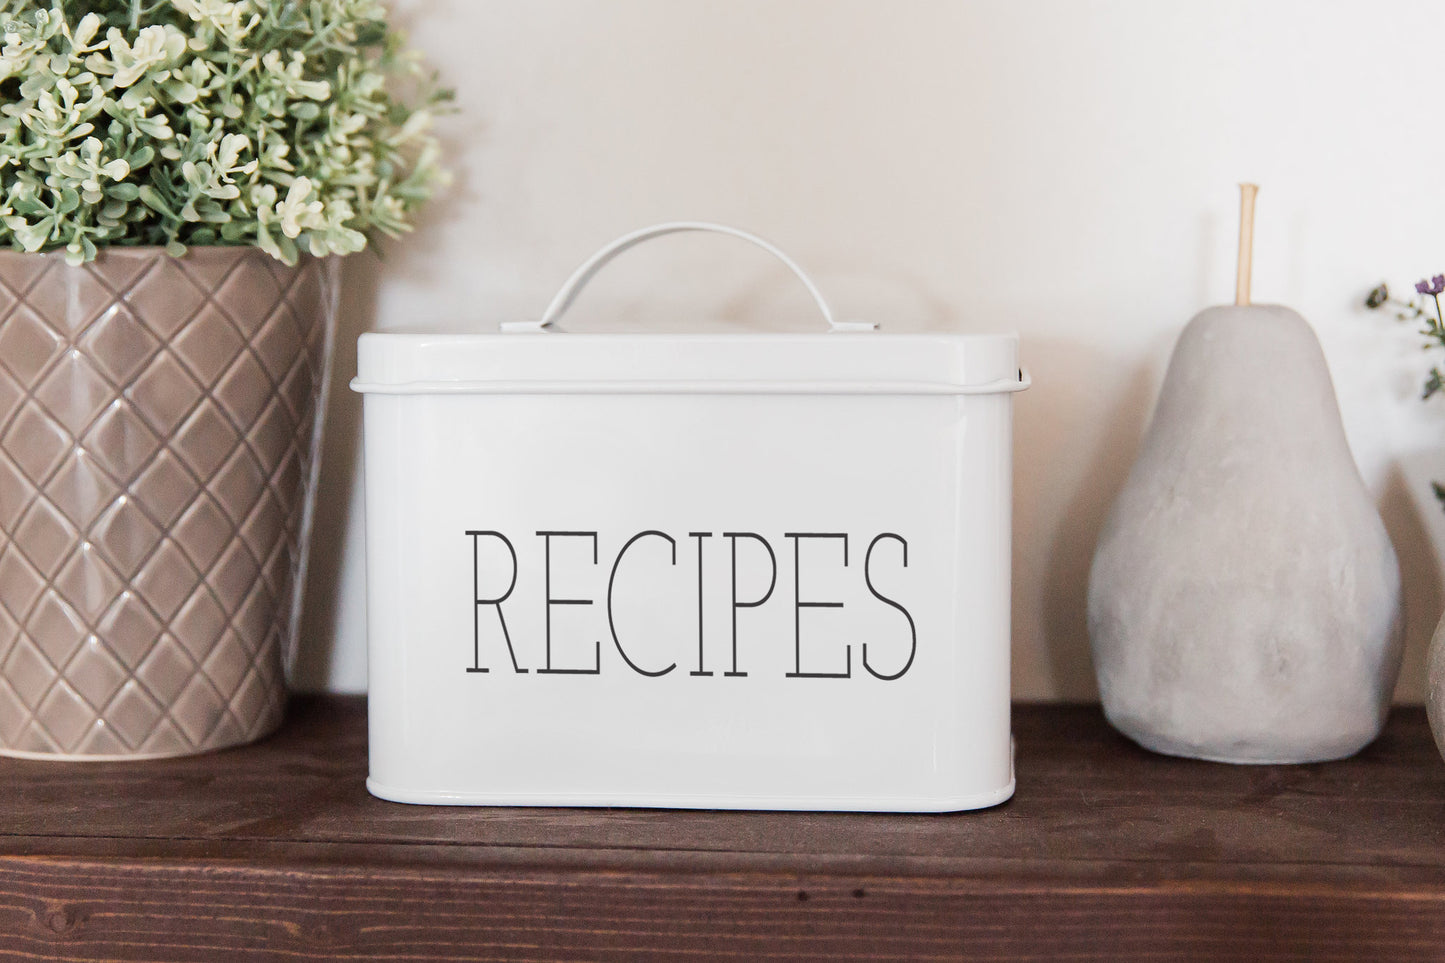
(741, 571)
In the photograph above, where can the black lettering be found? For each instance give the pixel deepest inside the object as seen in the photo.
(912, 628)
(772, 583)
(799, 605)
(547, 574)
(699, 536)
(613, 579)
(478, 602)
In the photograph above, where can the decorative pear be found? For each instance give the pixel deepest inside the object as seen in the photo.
(1435, 674)
(1244, 600)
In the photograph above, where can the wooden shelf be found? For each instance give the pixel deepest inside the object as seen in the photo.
(1107, 852)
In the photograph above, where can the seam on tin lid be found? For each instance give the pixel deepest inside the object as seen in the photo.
(699, 387)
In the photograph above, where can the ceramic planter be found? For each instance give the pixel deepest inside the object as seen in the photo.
(159, 420)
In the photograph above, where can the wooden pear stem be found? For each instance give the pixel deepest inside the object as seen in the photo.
(1246, 242)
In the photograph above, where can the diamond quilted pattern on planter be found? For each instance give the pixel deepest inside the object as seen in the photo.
(79, 488)
(201, 621)
(119, 344)
(19, 278)
(155, 476)
(134, 713)
(65, 715)
(235, 576)
(29, 672)
(280, 343)
(101, 740)
(57, 629)
(167, 670)
(166, 579)
(69, 300)
(228, 662)
(126, 535)
(10, 392)
(88, 583)
(205, 440)
(250, 294)
(273, 433)
(27, 344)
(74, 392)
(9, 632)
(165, 487)
(35, 443)
(95, 673)
(166, 740)
(130, 628)
(120, 442)
(199, 708)
(239, 484)
(244, 389)
(164, 393)
(209, 344)
(203, 532)
(265, 526)
(164, 297)
(45, 537)
(16, 493)
(20, 584)
(35, 740)
(14, 713)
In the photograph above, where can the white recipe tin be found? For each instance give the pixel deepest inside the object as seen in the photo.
(742, 571)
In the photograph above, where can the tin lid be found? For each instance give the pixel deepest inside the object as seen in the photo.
(688, 364)
(532, 357)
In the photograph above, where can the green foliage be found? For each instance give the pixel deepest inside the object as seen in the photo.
(273, 123)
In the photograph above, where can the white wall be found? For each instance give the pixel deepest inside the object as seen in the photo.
(1062, 168)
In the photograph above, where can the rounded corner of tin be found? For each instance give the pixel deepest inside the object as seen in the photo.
(390, 793)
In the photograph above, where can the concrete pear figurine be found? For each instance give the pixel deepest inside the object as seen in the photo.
(1244, 600)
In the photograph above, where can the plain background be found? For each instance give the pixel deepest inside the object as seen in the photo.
(1065, 169)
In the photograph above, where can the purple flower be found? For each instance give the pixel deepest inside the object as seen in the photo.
(1435, 285)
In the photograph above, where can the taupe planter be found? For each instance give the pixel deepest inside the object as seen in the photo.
(158, 442)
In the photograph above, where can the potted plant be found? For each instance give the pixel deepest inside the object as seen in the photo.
(176, 177)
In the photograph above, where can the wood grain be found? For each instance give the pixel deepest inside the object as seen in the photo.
(1107, 852)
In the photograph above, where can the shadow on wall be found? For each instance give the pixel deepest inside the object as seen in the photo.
(1049, 435)
(340, 451)
(329, 618)
(1416, 523)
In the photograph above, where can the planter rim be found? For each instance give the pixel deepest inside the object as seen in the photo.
(156, 250)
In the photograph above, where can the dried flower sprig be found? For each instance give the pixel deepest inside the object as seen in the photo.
(272, 123)
(1417, 309)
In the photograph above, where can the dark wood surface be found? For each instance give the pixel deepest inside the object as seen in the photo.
(1106, 852)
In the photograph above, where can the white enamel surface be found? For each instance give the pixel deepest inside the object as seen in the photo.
(933, 470)
(434, 360)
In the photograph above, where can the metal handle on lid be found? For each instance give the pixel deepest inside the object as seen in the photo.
(596, 262)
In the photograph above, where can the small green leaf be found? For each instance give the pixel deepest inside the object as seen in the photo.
(151, 198)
